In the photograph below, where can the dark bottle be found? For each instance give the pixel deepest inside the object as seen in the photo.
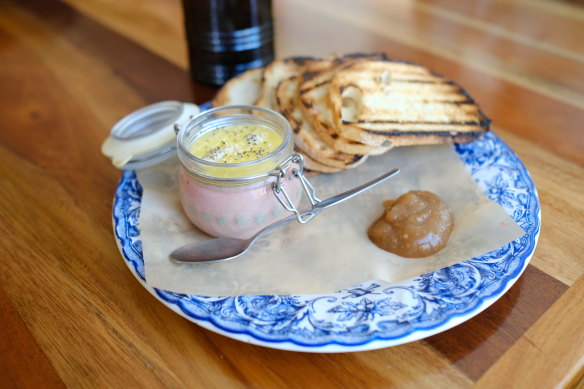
(227, 37)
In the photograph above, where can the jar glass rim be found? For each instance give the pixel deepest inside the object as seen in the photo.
(238, 112)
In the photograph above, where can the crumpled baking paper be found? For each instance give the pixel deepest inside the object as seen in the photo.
(332, 251)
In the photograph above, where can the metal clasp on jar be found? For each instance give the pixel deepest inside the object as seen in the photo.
(296, 173)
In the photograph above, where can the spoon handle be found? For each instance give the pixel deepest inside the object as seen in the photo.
(324, 204)
(353, 192)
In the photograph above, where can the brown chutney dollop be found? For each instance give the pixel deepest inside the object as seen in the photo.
(417, 224)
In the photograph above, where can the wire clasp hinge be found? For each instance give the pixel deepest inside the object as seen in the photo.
(294, 164)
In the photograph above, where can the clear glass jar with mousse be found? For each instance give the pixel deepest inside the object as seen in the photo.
(238, 199)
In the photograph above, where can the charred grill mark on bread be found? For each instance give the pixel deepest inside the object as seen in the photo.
(301, 61)
(380, 56)
(445, 133)
(357, 159)
(295, 124)
(429, 123)
(313, 86)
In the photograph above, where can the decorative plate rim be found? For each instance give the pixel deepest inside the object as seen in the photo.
(491, 163)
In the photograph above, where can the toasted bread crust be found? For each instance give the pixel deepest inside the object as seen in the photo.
(315, 166)
(241, 90)
(277, 71)
(306, 137)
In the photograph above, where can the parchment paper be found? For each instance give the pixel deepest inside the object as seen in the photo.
(332, 251)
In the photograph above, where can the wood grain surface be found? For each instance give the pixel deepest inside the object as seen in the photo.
(72, 315)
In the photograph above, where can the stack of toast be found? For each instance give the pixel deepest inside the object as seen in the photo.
(343, 109)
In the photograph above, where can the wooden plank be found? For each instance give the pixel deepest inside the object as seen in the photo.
(569, 9)
(100, 44)
(524, 52)
(22, 363)
(493, 331)
(515, 108)
(89, 102)
(550, 354)
(522, 21)
(154, 24)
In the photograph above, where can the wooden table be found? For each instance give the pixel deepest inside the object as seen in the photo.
(73, 315)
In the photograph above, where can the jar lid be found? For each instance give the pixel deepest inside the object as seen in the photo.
(146, 137)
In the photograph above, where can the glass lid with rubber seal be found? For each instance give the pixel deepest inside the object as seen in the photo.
(146, 137)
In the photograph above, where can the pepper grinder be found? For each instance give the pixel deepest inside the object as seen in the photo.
(227, 37)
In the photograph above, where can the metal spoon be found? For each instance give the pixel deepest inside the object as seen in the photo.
(223, 249)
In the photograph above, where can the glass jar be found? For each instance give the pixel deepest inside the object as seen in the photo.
(238, 199)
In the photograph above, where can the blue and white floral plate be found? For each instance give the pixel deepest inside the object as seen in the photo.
(370, 315)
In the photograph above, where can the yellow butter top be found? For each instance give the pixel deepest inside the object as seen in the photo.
(236, 143)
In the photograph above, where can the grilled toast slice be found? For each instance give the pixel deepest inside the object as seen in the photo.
(314, 99)
(305, 137)
(377, 101)
(243, 89)
(275, 72)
